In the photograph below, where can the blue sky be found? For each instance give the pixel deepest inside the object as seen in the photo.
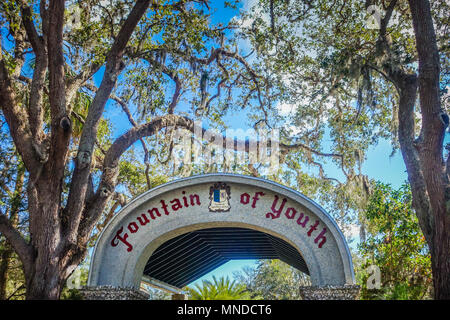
(379, 164)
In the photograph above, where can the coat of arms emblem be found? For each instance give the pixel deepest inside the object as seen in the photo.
(219, 196)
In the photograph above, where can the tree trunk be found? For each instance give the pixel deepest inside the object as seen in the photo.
(440, 261)
(50, 269)
(44, 280)
(14, 219)
(59, 230)
(52, 266)
(54, 258)
(430, 147)
(45, 286)
(4, 266)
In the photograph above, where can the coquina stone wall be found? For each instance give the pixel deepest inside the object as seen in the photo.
(348, 292)
(112, 293)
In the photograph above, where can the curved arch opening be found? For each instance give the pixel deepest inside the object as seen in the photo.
(291, 227)
(189, 256)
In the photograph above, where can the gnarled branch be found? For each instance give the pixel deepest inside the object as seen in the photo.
(20, 246)
(114, 65)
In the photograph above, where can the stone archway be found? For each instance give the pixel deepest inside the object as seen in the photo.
(220, 201)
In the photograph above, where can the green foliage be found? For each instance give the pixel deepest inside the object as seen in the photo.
(15, 288)
(316, 55)
(396, 245)
(325, 62)
(14, 205)
(132, 174)
(71, 294)
(157, 294)
(272, 280)
(79, 277)
(219, 289)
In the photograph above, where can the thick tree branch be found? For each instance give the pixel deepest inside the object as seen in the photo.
(144, 146)
(410, 150)
(125, 109)
(406, 84)
(36, 41)
(114, 65)
(19, 53)
(285, 148)
(429, 70)
(36, 85)
(20, 246)
(95, 205)
(60, 122)
(43, 10)
(431, 150)
(80, 79)
(387, 17)
(37, 88)
(56, 65)
(174, 76)
(17, 121)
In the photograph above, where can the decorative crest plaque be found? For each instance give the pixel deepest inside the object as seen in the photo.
(219, 196)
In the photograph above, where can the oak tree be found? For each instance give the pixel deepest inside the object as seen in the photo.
(355, 72)
(120, 51)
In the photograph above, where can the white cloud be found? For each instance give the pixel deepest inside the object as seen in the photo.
(352, 231)
(286, 109)
(247, 5)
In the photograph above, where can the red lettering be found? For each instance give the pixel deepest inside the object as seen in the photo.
(196, 197)
(299, 220)
(290, 213)
(152, 213)
(176, 204)
(313, 227)
(164, 206)
(321, 236)
(245, 198)
(275, 214)
(185, 200)
(133, 227)
(123, 239)
(256, 198)
(143, 220)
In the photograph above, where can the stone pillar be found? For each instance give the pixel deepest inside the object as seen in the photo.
(112, 293)
(346, 292)
(178, 296)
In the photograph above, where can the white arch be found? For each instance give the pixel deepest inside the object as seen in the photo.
(330, 264)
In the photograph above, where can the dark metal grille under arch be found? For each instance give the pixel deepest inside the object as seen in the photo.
(189, 256)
